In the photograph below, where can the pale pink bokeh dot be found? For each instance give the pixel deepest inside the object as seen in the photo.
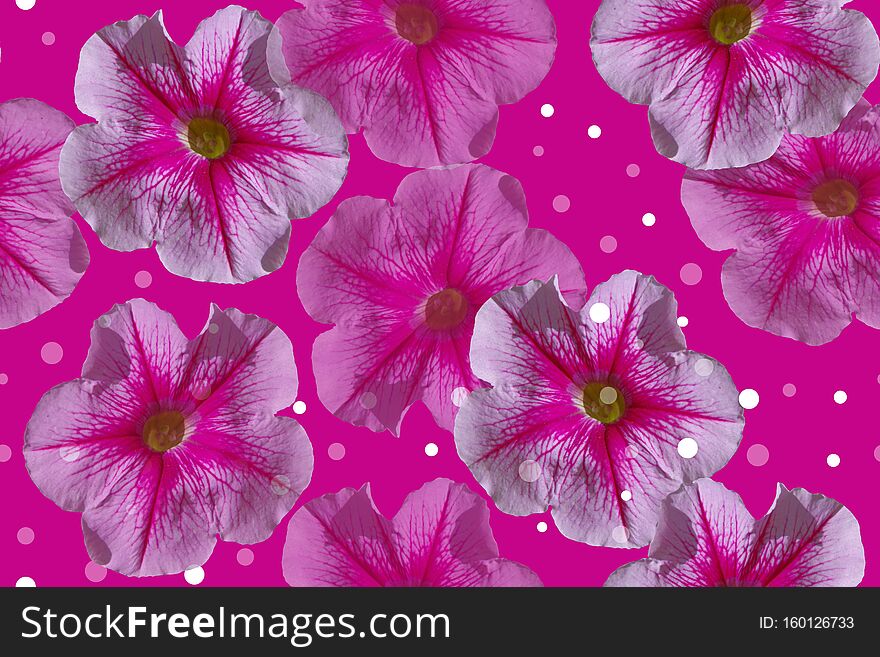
(336, 451)
(48, 38)
(245, 556)
(538, 151)
(789, 390)
(877, 452)
(4, 379)
(5, 453)
(633, 170)
(758, 455)
(562, 203)
(95, 572)
(52, 353)
(608, 244)
(25, 535)
(691, 274)
(143, 279)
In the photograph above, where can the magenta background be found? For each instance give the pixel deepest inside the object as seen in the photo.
(799, 432)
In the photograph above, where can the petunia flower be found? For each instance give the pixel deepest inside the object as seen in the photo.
(439, 537)
(805, 228)
(707, 537)
(422, 78)
(198, 149)
(599, 414)
(725, 80)
(403, 282)
(165, 442)
(42, 253)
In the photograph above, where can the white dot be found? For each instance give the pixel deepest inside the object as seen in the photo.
(25, 583)
(682, 321)
(749, 398)
(833, 460)
(530, 471)
(840, 397)
(280, 484)
(431, 449)
(25, 4)
(600, 312)
(213, 328)
(369, 400)
(459, 395)
(69, 453)
(299, 407)
(619, 534)
(542, 526)
(547, 110)
(594, 131)
(704, 367)
(688, 448)
(608, 395)
(194, 575)
(648, 219)
(626, 496)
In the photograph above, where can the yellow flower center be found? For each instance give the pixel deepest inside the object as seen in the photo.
(446, 310)
(164, 430)
(416, 23)
(836, 198)
(603, 402)
(731, 23)
(208, 138)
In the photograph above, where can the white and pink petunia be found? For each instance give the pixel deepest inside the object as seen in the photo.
(165, 443)
(42, 253)
(440, 537)
(599, 414)
(726, 80)
(805, 225)
(422, 78)
(198, 149)
(403, 281)
(707, 537)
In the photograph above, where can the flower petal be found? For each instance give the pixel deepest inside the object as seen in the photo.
(42, 253)
(444, 538)
(706, 537)
(132, 71)
(807, 540)
(703, 534)
(239, 363)
(157, 519)
(439, 537)
(340, 540)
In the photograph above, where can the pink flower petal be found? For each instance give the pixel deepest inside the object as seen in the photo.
(375, 267)
(440, 537)
(425, 100)
(540, 357)
(798, 272)
(136, 177)
(235, 469)
(706, 537)
(42, 253)
(800, 66)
